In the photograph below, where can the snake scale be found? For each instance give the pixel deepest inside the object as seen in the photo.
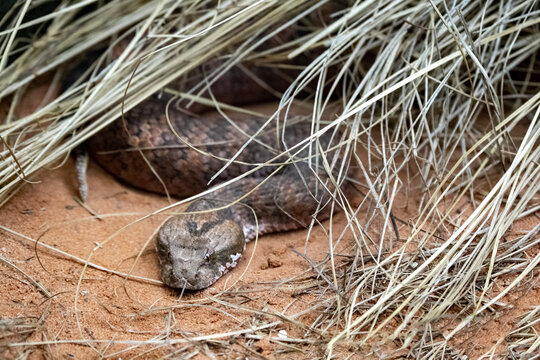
(147, 152)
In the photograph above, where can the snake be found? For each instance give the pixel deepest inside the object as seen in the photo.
(163, 146)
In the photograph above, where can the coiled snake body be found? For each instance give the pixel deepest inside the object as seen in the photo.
(197, 249)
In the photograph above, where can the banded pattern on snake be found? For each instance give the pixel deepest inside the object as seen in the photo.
(150, 153)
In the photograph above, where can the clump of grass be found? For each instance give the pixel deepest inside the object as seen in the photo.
(442, 97)
(15, 330)
(523, 342)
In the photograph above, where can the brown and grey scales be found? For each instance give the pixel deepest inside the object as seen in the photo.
(195, 250)
(190, 246)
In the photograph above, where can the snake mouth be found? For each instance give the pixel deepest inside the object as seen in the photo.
(195, 272)
(204, 275)
(187, 269)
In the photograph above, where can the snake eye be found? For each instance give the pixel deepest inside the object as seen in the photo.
(208, 256)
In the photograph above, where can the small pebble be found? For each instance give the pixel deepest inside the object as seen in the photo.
(274, 261)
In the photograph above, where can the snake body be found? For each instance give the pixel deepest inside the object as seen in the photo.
(162, 148)
(196, 249)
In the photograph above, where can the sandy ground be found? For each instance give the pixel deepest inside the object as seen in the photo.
(109, 307)
(78, 312)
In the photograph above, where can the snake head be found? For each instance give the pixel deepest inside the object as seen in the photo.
(195, 250)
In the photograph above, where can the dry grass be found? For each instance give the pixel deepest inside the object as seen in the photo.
(412, 79)
(523, 341)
